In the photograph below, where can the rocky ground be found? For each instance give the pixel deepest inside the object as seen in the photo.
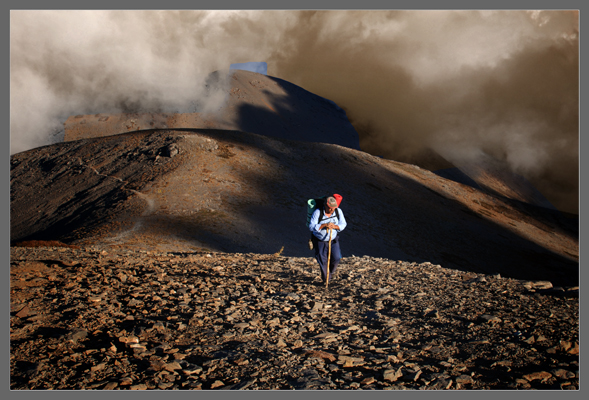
(90, 318)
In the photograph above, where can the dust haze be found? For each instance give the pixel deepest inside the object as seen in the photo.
(460, 83)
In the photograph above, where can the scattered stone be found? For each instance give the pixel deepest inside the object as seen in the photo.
(165, 385)
(350, 361)
(78, 335)
(392, 374)
(126, 381)
(217, 384)
(157, 365)
(490, 319)
(464, 379)
(239, 386)
(538, 285)
(191, 369)
(563, 373)
(569, 347)
(171, 321)
(320, 354)
(368, 381)
(25, 312)
(441, 384)
(140, 386)
(542, 375)
(98, 367)
(172, 366)
(170, 150)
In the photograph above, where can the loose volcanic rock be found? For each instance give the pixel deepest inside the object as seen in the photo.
(261, 321)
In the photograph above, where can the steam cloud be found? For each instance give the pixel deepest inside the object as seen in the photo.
(505, 83)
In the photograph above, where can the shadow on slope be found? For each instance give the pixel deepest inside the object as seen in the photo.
(66, 190)
(394, 210)
(406, 217)
(277, 108)
(389, 214)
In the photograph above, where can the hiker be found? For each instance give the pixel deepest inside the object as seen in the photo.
(332, 218)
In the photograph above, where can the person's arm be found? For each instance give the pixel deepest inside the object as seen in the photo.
(314, 220)
(341, 223)
(314, 225)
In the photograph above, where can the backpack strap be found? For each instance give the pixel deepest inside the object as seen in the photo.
(322, 213)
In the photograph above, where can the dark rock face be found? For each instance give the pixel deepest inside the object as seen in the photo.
(89, 318)
(186, 190)
(60, 189)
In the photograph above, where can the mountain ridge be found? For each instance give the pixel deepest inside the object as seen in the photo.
(243, 192)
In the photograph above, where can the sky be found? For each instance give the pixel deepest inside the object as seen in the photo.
(461, 83)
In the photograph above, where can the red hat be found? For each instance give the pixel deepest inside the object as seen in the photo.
(338, 199)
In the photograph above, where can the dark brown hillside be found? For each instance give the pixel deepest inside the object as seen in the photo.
(250, 102)
(184, 190)
(253, 102)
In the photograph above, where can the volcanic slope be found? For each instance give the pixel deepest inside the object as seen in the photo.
(276, 108)
(494, 176)
(216, 190)
(252, 102)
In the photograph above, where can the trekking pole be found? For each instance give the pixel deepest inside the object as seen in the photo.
(328, 260)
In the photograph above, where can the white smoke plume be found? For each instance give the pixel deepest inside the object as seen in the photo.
(505, 83)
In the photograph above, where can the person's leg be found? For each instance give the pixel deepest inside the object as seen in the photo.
(321, 250)
(336, 256)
